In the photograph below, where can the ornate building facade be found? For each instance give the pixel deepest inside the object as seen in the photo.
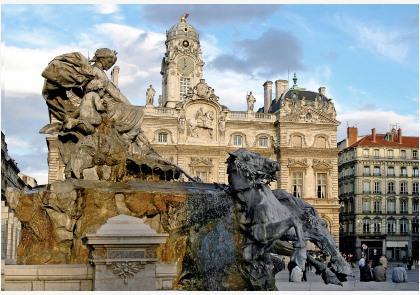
(192, 128)
(379, 193)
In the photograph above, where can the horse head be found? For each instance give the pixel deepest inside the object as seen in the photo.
(247, 169)
(316, 230)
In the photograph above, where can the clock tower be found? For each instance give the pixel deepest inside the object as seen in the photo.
(182, 65)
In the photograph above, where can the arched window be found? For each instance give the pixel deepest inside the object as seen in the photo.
(403, 188)
(377, 225)
(366, 225)
(403, 206)
(163, 137)
(391, 187)
(404, 226)
(391, 225)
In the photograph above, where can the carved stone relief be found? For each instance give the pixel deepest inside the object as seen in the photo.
(322, 164)
(297, 163)
(126, 269)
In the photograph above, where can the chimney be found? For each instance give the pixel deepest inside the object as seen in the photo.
(115, 74)
(399, 135)
(351, 135)
(321, 90)
(374, 135)
(281, 87)
(268, 94)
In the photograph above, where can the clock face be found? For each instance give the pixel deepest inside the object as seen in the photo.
(185, 65)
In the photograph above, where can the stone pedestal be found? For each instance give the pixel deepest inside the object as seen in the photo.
(123, 252)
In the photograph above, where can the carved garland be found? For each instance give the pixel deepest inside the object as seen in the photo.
(126, 269)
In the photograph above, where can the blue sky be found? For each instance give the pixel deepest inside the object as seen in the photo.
(366, 55)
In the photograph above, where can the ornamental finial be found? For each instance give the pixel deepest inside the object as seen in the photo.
(184, 17)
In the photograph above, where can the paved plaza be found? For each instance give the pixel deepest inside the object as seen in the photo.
(315, 283)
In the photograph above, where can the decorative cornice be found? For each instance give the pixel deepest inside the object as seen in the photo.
(294, 163)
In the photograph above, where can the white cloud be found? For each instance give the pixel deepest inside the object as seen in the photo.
(22, 68)
(232, 88)
(210, 47)
(379, 40)
(106, 8)
(382, 120)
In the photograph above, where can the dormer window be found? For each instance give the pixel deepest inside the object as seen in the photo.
(163, 137)
(237, 140)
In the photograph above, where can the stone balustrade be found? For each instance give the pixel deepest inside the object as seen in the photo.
(52, 277)
(250, 116)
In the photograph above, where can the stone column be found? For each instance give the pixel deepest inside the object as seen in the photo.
(4, 215)
(123, 253)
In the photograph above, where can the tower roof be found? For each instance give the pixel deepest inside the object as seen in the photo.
(182, 29)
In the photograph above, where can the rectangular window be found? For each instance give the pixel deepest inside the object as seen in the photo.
(365, 153)
(403, 172)
(366, 171)
(403, 188)
(351, 227)
(376, 153)
(237, 140)
(263, 141)
(376, 187)
(321, 185)
(297, 184)
(366, 206)
(391, 226)
(403, 154)
(415, 155)
(391, 188)
(202, 175)
(390, 153)
(404, 226)
(415, 206)
(377, 171)
(415, 226)
(415, 188)
(366, 225)
(415, 171)
(184, 84)
(366, 187)
(377, 206)
(390, 171)
(391, 206)
(163, 137)
(377, 226)
(403, 206)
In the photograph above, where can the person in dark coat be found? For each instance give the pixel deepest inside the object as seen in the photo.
(290, 266)
(366, 272)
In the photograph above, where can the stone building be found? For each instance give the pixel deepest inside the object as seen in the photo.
(190, 126)
(378, 191)
(10, 225)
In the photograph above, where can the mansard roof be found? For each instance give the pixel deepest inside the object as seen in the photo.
(366, 141)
